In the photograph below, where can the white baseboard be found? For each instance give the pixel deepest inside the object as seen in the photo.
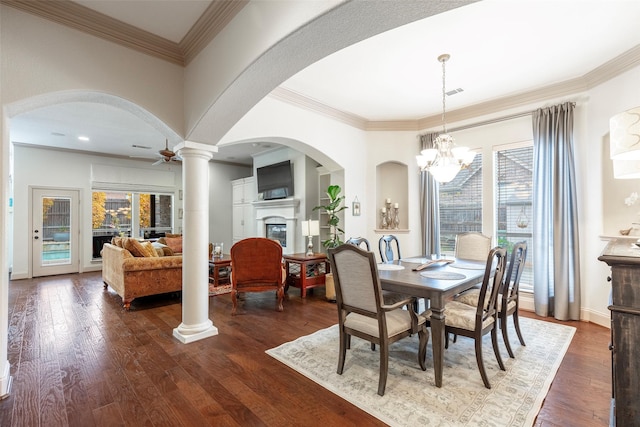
(586, 315)
(5, 381)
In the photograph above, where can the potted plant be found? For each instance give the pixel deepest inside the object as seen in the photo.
(332, 209)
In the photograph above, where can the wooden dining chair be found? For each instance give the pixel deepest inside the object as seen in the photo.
(475, 322)
(256, 266)
(362, 312)
(472, 246)
(509, 296)
(359, 241)
(385, 246)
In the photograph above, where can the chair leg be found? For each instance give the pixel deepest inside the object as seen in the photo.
(483, 374)
(373, 346)
(384, 367)
(344, 342)
(423, 335)
(505, 337)
(280, 294)
(234, 302)
(496, 349)
(446, 339)
(516, 322)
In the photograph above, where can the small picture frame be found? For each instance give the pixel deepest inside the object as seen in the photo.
(355, 208)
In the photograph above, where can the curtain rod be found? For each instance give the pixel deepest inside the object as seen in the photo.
(496, 120)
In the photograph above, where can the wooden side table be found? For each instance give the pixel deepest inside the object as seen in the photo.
(216, 265)
(305, 272)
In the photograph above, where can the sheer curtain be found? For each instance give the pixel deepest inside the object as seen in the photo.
(429, 209)
(555, 243)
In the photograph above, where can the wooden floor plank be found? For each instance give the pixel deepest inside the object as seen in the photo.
(77, 358)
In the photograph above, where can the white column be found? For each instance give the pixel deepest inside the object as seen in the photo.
(196, 324)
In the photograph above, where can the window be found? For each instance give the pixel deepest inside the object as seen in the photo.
(129, 214)
(513, 189)
(461, 205)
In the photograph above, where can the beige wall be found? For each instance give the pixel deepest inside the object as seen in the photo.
(41, 59)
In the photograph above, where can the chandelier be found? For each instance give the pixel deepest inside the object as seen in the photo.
(445, 160)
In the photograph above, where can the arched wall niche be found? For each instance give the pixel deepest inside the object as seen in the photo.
(392, 183)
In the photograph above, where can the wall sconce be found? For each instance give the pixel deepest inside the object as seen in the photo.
(310, 228)
(626, 169)
(624, 135)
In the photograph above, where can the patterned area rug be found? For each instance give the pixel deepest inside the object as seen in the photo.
(219, 290)
(411, 397)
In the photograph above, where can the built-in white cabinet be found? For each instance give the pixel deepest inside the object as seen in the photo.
(243, 194)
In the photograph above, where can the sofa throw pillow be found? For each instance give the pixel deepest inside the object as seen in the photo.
(175, 243)
(150, 251)
(135, 247)
(117, 241)
(162, 250)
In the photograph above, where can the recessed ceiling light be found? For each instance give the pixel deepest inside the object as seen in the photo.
(83, 138)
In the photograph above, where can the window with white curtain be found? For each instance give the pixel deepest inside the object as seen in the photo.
(461, 205)
(513, 167)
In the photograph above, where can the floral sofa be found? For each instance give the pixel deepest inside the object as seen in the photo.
(134, 269)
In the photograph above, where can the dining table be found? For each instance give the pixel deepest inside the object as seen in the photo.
(437, 283)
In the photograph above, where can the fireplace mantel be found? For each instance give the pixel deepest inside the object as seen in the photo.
(275, 212)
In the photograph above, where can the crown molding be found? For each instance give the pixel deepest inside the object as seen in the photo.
(221, 12)
(213, 20)
(614, 67)
(82, 18)
(310, 104)
(73, 15)
(597, 76)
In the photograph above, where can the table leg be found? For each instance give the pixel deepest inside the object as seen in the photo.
(437, 344)
(303, 280)
(286, 277)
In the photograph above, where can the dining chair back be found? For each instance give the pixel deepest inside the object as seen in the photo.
(475, 322)
(256, 266)
(385, 245)
(359, 241)
(509, 303)
(472, 246)
(362, 312)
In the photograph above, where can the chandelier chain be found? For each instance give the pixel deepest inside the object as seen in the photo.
(444, 123)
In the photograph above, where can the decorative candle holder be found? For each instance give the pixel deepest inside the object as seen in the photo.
(396, 218)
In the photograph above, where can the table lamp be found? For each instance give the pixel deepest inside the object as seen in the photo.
(310, 228)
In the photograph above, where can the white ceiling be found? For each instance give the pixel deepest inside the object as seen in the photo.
(498, 48)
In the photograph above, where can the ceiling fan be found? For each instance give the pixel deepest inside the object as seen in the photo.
(167, 155)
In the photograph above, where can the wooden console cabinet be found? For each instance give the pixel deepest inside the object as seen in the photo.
(624, 259)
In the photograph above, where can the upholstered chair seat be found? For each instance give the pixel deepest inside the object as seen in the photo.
(475, 321)
(363, 313)
(509, 298)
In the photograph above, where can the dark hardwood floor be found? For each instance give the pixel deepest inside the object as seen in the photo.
(78, 359)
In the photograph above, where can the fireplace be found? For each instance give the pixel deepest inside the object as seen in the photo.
(277, 219)
(277, 232)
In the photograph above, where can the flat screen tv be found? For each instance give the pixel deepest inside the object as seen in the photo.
(275, 181)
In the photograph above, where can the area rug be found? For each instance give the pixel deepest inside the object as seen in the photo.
(219, 290)
(411, 397)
